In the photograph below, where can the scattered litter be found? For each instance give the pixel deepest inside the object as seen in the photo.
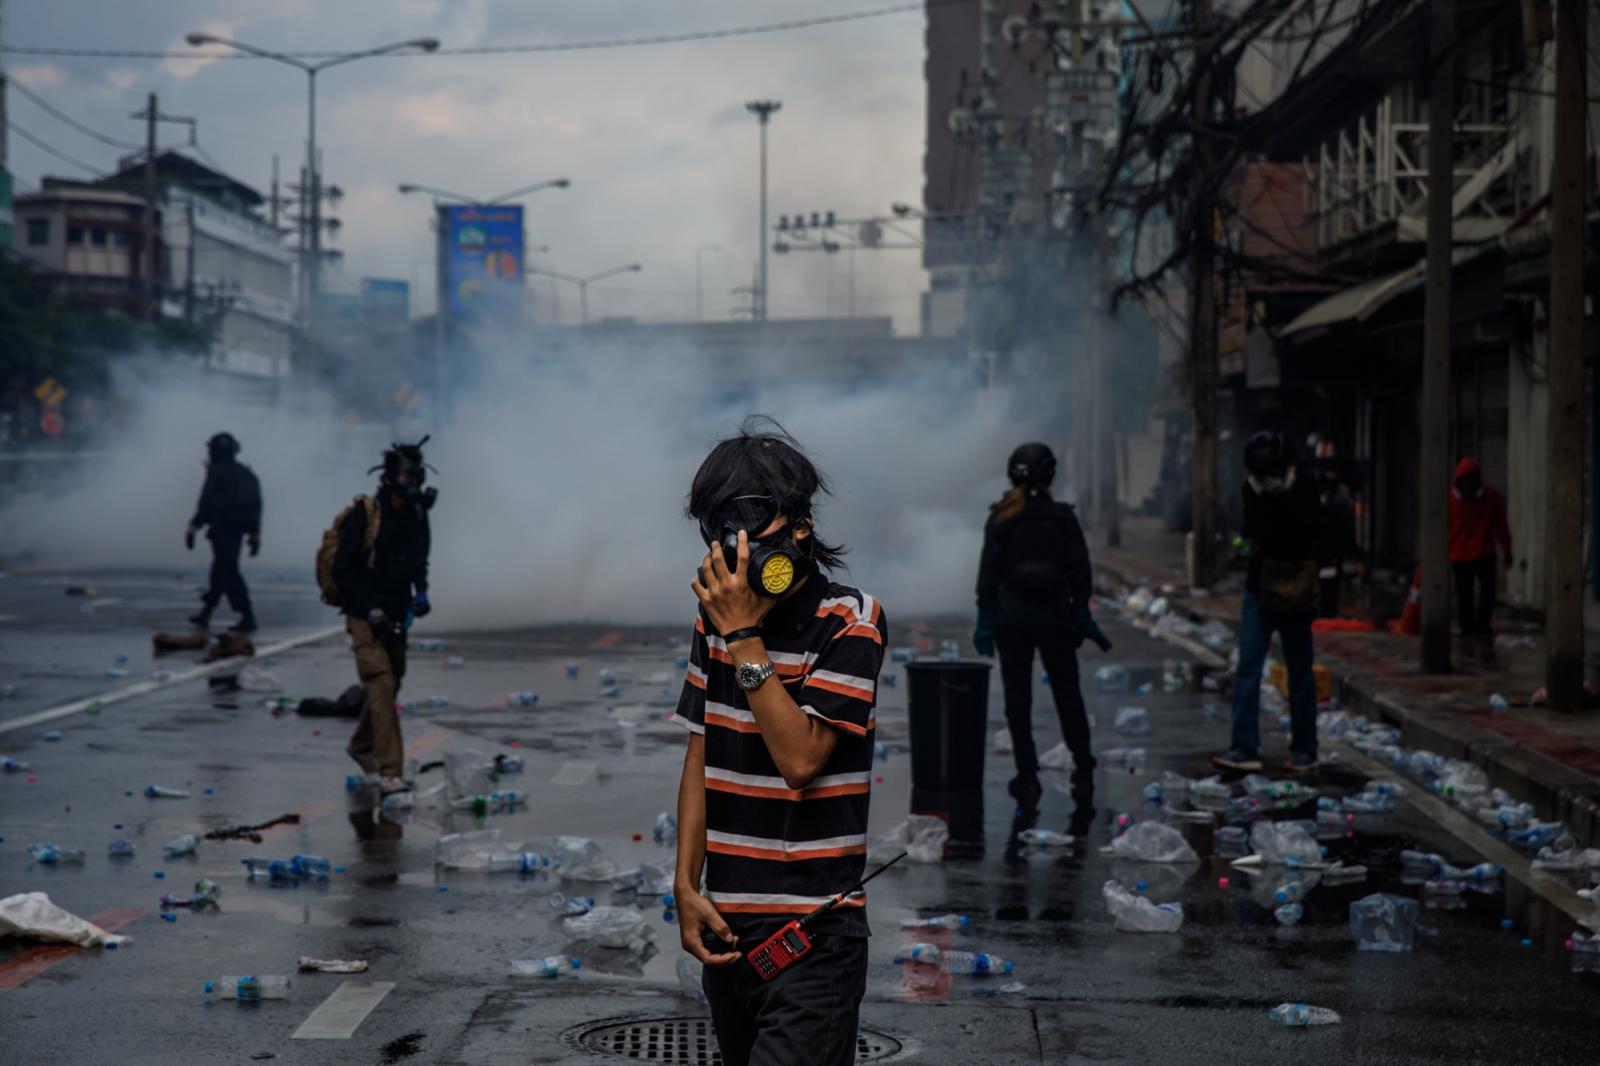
(522, 699)
(1056, 758)
(921, 836)
(184, 845)
(1585, 950)
(258, 679)
(1286, 843)
(1044, 838)
(1000, 742)
(690, 976)
(943, 921)
(611, 927)
(13, 766)
(1498, 702)
(1298, 1014)
(310, 965)
(1383, 922)
(1133, 721)
(121, 849)
(1231, 841)
(206, 894)
(1129, 759)
(1111, 678)
(666, 830)
(52, 735)
(1152, 842)
(582, 859)
(1137, 914)
(1289, 913)
(32, 915)
(974, 962)
(159, 792)
(550, 966)
(468, 851)
(51, 854)
(1012, 987)
(249, 989)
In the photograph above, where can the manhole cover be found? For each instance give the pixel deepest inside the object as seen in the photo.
(688, 1040)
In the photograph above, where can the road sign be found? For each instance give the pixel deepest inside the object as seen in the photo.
(51, 422)
(50, 392)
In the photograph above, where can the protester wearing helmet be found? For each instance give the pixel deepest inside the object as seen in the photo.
(230, 512)
(1034, 582)
(382, 579)
(1279, 539)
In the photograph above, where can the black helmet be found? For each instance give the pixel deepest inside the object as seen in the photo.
(1031, 464)
(223, 446)
(407, 459)
(1267, 454)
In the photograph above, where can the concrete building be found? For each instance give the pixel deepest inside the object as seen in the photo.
(87, 243)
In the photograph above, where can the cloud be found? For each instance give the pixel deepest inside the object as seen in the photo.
(38, 75)
(121, 79)
(181, 70)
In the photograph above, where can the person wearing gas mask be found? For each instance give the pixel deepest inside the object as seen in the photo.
(772, 806)
(1279, 541)
(1477, 526)
(381, 576)
(1034, 582)
(230, 512)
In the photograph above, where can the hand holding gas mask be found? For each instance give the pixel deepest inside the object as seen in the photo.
(757, 564)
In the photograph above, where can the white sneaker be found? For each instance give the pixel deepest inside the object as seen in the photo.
(390, 785)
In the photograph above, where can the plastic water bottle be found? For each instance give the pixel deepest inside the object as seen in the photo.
(13, 766)
(1211, 788)
(206, 894)
(1231, 841)
(1443, 886)
(666, 830)
(1475, 876)
(572, 669)
(159, 792)
(249, 988)
(1130, 759)
(571, 908)
(1289, 913)
(1044, 838)
(1498, 702)
(1538, 834)
(453, 662)
(184, 845)
(928, 954)
(949, 650)
(1295, 1014)
(943, 921)
(523, 699)
(1334, 820)
(1585, 952)
(526, 862)
(311, 866)
(508, 764)
(399, 801)
(1112, 678)
(51, 853)
(273, 869)
(438, 701)
(975, 962)
(121, 849)
(549, 966)
(1418, 862)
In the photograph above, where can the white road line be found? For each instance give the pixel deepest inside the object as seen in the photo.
(576, 772)
(143, 687)
(341, 1014)
(1556, 893)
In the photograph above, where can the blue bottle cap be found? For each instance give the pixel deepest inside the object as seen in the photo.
(210, 988)
(1505, 923)
(576, 962)
(169, 917)
(111, 945)
(442, 888)
(160, 874)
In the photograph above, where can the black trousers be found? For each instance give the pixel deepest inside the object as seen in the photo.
(1475, 595)
(1057, 650)
(806, 1016)
(226, 580)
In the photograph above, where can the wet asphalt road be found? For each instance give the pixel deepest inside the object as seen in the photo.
(1471, 992)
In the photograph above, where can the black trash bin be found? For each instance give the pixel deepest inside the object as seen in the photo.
(948, 704)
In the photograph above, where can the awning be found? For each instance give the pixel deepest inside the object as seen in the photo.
(1355, 304)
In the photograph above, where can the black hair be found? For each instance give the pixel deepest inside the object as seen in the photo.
(763, 460)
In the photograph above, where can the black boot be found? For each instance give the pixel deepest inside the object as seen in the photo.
(201, 620)
(1026, 790)
(245, 624)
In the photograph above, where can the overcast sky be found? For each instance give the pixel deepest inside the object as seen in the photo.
(662, 155)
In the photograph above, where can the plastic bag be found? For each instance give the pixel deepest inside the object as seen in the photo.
(690, 970)
(1000, 742)
(1384, 922)
(259, 679)
(611, 927)
(469, 773)
(921, 836)
(1285, 843)
(1137, 914)
(1153, 842)
(1133, 721)
(32, 915)
(1057, 758)
(581, 859)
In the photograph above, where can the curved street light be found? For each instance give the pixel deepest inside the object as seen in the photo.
(446, 194)
(583, 283)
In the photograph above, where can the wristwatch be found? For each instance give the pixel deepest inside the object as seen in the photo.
(752, 676)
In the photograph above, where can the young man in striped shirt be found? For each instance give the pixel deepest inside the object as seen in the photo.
(772, 806)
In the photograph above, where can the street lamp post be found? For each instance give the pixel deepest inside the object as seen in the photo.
(763, 110)
(583, 283)
(699, 293)
(313, 269)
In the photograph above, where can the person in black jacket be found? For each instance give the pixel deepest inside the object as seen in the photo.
(1281, 526)
(230, 512)
(1034, 583)
(382, 578)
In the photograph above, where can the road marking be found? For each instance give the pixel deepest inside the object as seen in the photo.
(144, 687)
(575, 772)
(341, 1014)
(609, 640)
(1560, 896)
(35, 961)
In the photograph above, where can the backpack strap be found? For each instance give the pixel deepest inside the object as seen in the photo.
(374, 514)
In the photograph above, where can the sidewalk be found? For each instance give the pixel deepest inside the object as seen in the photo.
(1551, 760)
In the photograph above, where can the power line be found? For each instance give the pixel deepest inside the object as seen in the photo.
(80, 127)
(509, 49)
(64, 157)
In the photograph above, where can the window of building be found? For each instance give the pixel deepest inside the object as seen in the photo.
(97, 236)
(74, 234)
(119, 238)
(38, 231)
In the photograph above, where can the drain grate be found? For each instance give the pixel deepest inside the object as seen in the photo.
(689, 1041)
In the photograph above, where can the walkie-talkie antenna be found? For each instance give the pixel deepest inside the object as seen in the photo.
(847, 893)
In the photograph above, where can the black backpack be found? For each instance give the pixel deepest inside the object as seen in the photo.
(238, 496)
(1036, 556)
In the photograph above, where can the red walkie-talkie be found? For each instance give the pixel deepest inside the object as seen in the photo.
(790, 944)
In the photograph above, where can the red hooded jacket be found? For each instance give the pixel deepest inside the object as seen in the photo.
(1476, 525)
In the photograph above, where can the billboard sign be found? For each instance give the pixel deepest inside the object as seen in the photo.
(385, 299)
(481, 256)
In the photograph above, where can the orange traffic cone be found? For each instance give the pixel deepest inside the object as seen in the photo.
(1410, 620)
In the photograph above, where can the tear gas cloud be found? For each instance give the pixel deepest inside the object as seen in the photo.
(561, 483)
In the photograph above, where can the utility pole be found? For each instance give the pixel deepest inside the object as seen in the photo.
(151, 289)
(273, 202)
(763, 110)
(1203, 322)
(1434, 491)
(1566, 428)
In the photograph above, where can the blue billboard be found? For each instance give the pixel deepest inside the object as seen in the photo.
(385, 300)
(481, 256)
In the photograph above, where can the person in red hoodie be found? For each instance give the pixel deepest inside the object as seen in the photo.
(1477, 525)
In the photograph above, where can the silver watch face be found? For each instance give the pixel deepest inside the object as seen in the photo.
(751, 675)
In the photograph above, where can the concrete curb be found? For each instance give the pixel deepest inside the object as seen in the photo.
(1559, 792)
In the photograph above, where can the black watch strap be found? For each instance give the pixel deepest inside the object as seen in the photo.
(741, 634)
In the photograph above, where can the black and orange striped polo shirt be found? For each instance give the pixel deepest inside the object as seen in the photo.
(773, 852)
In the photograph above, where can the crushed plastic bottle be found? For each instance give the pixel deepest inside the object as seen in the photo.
(1286, 843)
(1112, 678)
(1290, 892)
(1498, 702)
(1537, 834)
(206, 894)
(666, 830)
(1298, 1014)
(184, 845)
(927, 954)
(1153, 842)
(1231, 841)
(1289, 913)
(1138, 914)
(526, 862)
(14, 766)
(1585, 948)
(1129, 759)
(611, 927)
(570, 907)
(549, 966)
(1044, 838)
(160, 792)
(249, 989)
(1418, 862)
(974, 962)
(943, 921)
(311, 866)
(1210, 788)
(1383, 922)
(507, 764)
(51, 854)
(1368, 803)
(522, 699)
(1132, 721)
